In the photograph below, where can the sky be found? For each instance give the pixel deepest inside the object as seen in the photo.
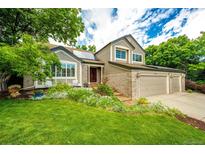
(148, 26)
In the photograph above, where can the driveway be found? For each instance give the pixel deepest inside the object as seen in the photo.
(191, 104)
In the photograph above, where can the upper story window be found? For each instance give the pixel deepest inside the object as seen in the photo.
(136, 57)
(120, 54)
(67, 70)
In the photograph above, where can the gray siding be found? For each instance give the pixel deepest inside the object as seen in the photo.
(63, 56)
(84, 73)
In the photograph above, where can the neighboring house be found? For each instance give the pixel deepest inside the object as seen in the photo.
(121, 64)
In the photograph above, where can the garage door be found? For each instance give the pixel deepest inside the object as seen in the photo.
(152, 85)
(175, 84)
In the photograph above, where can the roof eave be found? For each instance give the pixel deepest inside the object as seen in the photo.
(151, 69)
(67, 51)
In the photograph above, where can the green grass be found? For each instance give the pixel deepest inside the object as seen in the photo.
(68, 122)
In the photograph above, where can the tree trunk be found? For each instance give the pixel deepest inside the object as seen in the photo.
(4, 77)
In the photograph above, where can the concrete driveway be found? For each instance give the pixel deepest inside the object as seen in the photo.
(191, 104)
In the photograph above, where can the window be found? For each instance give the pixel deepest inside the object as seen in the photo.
(136, 57)
(63, 69)
(70, 70)
(120, 54)
(66, 70)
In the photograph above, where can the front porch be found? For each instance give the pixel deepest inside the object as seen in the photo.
(93, 74)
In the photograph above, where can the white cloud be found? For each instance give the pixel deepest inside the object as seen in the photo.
(108, 28)
(195, 24)
(129, 21)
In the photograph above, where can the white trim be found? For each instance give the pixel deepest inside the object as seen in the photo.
(81, 74)
(88, 74)
(180, 83)
(122, 47)
(94, 65)
(139, 62)
(168, 84)
(152, 74)
(66, 62)
(101, 74)
(111, 52)
(126, 53)
(67, 54)
(44, 84)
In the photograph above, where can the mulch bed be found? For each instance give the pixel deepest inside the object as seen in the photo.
(192, 121)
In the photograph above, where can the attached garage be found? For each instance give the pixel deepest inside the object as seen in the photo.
(152, 85)
(175, 84)
(147, 80)
(149, 83)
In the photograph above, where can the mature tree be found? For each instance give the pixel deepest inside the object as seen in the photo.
(197, 71)
(179, 52)
(91, 48)
(26, 58)
(63, 25)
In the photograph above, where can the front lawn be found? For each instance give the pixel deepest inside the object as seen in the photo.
(68, 122)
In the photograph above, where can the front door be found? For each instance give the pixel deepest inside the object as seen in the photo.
(93, 74)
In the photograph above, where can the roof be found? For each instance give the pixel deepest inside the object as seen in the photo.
(146, 67)
(123, 37)
(93, 61)
(81, 55)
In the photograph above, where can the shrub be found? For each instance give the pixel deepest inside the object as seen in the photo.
(78, 94)
(90, 98)
(154, 108)
(60, 87)
(142, 101)
(189, 90)
(104, 90)
(190, 85)
(200, 82)
(138, 108)
(174, 112)
(57, 95)
(160, 108)
(201, 88)
(194, 86)
(110, 103)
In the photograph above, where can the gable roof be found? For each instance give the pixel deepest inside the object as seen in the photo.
(146, 67)
(123, 37)
(136, 42)
(81, 55)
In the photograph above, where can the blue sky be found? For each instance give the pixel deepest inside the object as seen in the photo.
(148, 26)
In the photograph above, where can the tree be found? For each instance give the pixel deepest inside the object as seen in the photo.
(26, 58)
(63, 25)
(179, 52)
(91, 48)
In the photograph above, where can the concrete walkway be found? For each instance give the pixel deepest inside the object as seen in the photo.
(191, 104)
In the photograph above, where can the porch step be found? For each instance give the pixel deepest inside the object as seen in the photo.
(121, 97)
(118, 94)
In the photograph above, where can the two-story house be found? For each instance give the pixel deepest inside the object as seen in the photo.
(121, 63)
